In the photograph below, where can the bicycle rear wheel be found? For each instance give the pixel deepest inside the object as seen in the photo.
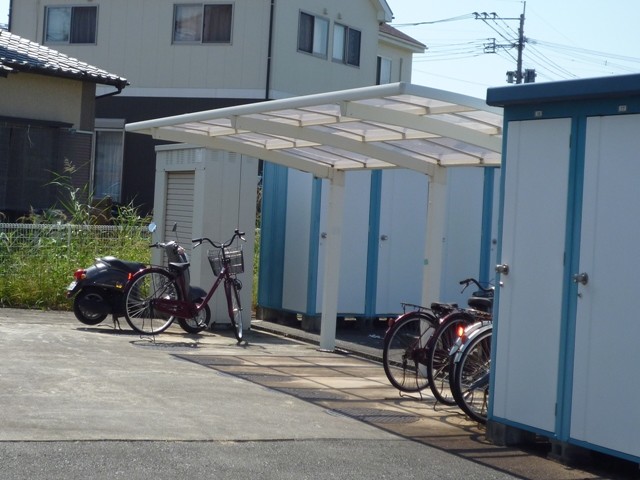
(404, 352)
(471, 383)
(438, 357)
(231, 287)
(139, 294)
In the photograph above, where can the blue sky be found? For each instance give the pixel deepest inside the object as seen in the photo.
(566, 39)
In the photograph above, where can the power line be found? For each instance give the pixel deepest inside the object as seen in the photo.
(517, 75)
(433, 22)
(552, 59)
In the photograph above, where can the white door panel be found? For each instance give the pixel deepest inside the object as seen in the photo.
(605, 387)
(530, 298)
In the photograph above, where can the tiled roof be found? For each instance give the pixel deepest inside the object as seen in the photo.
(394, 32)
(18, 54)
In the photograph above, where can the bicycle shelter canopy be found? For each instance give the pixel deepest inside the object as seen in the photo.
(397, 125)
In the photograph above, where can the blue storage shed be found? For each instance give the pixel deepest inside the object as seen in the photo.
(565, 348)
(384, 235)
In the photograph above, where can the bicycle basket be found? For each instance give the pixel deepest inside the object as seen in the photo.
(235, 260)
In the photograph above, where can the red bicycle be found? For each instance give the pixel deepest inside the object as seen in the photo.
(155, 296)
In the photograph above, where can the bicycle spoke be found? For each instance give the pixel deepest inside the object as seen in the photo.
(139, 297)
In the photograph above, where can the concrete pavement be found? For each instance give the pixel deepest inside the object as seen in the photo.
(78, 401)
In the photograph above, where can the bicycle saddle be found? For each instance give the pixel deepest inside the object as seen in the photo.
(483, 304)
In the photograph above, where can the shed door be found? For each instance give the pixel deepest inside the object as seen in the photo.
(605, 387)
(179, 207)
(527, 333)
(403, 226)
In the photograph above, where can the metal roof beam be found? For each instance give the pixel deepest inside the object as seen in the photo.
(423, 123)
(337, 141)
(272, 106)
(220, 143)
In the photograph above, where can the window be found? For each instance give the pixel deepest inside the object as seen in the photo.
(107, 175)
(313, 34)
(383, 74)
(70, 24)
(198, 23)
(346, 45)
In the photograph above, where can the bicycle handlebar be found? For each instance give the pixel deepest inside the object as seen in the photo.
(236, 234)
(467, 281)
(162, 244)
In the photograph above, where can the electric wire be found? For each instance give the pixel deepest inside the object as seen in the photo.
(550, 60)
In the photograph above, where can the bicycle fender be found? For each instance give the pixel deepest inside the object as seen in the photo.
(424, 315)
(472, 332)
(461, 340)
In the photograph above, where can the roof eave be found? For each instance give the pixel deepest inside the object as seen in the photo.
(117, 82)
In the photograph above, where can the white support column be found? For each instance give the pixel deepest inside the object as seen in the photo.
(332, 263)
(436, 219)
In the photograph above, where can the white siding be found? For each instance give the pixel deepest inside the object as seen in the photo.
(134, 40)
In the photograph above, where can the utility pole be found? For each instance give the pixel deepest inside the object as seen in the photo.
(517, 75)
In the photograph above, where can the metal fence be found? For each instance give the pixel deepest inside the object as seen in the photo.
(37, 261)
(64, 239)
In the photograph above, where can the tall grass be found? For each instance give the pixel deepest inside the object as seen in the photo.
(36, 264)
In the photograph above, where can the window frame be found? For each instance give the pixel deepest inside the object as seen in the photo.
(70, 27)
(108, 126)
(318, 40)
(344, 54)
(201, 40)
(383, 64)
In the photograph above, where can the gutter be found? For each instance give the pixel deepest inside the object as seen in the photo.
(111, 94)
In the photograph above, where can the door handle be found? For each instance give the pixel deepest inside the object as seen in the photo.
(582, 278)
(503, 269)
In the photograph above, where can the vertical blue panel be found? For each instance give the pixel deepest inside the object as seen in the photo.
(371, 286)
(487, 222)
(314, 246)
(572, 261)
(273, 225)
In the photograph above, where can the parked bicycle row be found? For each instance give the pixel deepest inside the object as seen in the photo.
(446, 348)
(152, 297)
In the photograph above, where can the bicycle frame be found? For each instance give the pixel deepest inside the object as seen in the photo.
(185, 308)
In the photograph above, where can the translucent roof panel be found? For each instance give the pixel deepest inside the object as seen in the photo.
(384, 126)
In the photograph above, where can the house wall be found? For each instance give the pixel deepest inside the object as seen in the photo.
(313, 73)
(51, 99)
(400, 64)
(134, 39)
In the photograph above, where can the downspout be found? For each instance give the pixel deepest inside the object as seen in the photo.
(10, 9)
(267, 87)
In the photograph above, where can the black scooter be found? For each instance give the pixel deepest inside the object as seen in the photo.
(97, 290)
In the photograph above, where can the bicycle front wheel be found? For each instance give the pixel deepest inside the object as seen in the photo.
(404, 352)
(139, 295)
(438, 358)
(198, 323)
(235, 309)
(471, 383)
